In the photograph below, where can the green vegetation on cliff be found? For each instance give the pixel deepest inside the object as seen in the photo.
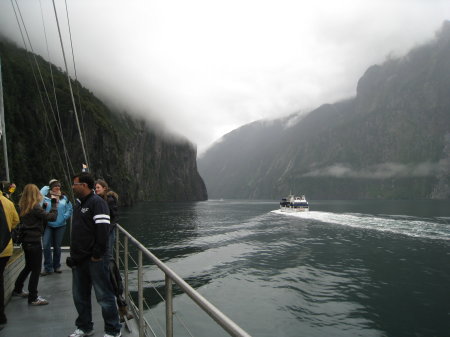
(138, 161)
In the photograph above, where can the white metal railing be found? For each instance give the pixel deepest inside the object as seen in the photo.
(170, 277)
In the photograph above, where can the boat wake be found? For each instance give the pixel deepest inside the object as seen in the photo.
(429, 228)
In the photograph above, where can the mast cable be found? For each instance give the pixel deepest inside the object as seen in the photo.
(76, 76)
(59, 125)
(70, 84)
(34, 74)
(3, 127)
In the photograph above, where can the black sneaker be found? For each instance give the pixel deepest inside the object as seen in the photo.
(22, 293)
(45, 273)
(58, 271)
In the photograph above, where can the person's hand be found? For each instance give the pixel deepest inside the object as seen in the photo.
(93, 259)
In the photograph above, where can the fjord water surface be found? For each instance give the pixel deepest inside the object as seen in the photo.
(346, 268)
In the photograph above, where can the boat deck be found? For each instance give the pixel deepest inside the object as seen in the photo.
(57, 319)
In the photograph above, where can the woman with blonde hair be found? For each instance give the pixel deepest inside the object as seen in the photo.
(34, 219)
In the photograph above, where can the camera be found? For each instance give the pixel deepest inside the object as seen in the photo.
(70, 262)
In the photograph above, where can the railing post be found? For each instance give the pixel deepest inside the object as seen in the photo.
(125, 267)
(116, 229)
(140, 294)
(170, 277)
(169, 307)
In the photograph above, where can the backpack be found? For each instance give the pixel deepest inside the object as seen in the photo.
(116, 281)
(17, 234)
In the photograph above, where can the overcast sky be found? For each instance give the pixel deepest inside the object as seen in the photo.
(206, 67)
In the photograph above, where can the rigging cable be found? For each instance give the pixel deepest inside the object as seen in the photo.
(3, 127)
(70, 85)
(59, 124)
(32, 68)
(43, 84)
(76, 76)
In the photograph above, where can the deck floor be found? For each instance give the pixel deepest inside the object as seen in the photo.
(57, 319)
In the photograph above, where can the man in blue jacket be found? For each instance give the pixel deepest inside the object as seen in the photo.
(89, 259)
(54, 231)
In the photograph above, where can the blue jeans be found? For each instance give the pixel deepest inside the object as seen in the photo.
(111, 242)
(96, 274)
(53, 237)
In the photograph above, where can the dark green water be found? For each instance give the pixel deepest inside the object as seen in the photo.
(346, 268)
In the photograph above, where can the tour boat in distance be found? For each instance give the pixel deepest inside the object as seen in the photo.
(294, 204)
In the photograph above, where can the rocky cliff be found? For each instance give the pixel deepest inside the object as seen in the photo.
(137, 159)
(391, 141)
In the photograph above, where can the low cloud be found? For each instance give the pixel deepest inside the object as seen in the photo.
(383, 171)
(203, 68)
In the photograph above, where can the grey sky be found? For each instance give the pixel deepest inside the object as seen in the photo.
(205, 67)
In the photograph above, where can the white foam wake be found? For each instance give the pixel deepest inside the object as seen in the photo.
(430, 228)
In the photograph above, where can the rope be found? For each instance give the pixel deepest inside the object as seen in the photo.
(70, 85)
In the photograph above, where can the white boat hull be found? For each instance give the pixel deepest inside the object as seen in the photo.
(294, 209)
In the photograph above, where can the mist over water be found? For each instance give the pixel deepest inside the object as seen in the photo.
(347, 268)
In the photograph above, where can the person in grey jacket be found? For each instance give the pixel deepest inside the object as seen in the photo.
(34, 219)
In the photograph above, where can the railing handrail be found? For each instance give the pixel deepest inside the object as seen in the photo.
(224, 321)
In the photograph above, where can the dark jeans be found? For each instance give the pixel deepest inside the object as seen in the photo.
(53, 237)
(3, 262)
(96, 274)
(111, 242)
(33, 261)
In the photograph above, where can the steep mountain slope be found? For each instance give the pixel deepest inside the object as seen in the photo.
(391, 141)
(138, 161)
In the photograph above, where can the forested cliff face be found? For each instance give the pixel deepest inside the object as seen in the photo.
(391, 141)
(138, 161)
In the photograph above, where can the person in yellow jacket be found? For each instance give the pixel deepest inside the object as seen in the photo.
(8, 220)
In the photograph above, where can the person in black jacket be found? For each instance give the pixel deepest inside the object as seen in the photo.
(34, 218)
(102, 189)
(89, 259)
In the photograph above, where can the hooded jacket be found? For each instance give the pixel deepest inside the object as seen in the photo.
(64, 208)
